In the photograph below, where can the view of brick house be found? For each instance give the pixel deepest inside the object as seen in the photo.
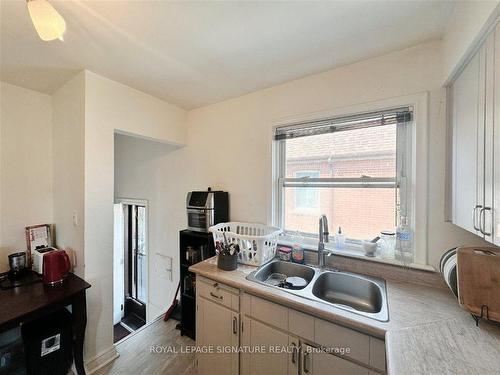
(361, 212)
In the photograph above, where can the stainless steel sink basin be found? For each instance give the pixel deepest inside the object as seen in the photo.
(270, 273)
(349, 290)
(359, 294)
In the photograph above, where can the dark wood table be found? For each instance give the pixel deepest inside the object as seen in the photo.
(29, 302)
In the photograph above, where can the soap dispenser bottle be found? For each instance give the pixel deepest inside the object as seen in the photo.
(339, 240)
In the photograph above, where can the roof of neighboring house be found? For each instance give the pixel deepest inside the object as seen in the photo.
(353, 143)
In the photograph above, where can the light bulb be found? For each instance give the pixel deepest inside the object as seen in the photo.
(48, 23)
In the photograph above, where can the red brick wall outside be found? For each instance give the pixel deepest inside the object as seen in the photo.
(361, 212)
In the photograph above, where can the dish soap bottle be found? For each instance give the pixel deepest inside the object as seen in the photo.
(297, 250)
(404, 251)
(339, 240)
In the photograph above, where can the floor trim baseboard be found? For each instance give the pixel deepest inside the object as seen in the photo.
(101, 360)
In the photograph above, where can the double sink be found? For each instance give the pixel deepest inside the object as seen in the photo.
(355, 293)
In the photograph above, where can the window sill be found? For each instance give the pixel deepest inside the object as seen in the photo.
(351, 250)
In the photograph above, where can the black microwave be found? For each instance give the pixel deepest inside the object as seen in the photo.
(206, 208)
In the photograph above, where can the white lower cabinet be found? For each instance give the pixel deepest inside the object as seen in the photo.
(267, 349)
(274, 340)
(315, 362)
(217, 333)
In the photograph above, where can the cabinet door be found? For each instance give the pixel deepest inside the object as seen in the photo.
(267, 353)
(321, 363)
(465, 120)
(487, 213)
(218, 331)
(495, 213)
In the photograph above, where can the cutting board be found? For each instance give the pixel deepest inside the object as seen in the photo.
(478, 273)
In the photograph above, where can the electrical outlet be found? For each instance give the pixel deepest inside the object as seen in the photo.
(75, 218)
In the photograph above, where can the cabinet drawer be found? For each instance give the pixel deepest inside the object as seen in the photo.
(218, 293)
(269, 312)
(329, 335)
(301, 324)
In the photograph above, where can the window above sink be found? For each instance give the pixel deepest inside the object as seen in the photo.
(351, 169)
(359, 167)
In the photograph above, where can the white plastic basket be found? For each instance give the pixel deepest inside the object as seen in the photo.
(257, 242)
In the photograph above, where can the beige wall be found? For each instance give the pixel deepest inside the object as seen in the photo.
(68, 147)
(142, 172)
(229, 143)
(467, 22)
(25, 165)
(110, 107)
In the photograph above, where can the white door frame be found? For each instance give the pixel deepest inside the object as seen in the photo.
(141, 202)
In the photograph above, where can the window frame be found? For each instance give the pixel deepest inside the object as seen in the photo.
(417, 158)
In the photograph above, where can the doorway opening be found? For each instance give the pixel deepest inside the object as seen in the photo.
(130, 267)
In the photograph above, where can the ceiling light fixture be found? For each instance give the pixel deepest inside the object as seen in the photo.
(48, 23)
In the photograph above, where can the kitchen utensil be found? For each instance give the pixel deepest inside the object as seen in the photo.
(370, 248)
(275, 279)
(387, 244)
(450, 273)
(227, 262)
(295, 282)
(56, 266)
(17, 261)
(478, 273)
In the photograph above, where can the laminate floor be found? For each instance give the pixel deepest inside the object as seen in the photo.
(156, 349)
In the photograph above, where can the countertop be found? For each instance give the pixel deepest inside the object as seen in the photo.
(427, 331)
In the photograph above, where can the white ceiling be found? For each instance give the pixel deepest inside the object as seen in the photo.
(196, 53)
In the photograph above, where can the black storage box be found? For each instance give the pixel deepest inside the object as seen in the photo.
(48, 344)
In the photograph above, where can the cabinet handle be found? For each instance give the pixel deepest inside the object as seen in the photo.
(482, 220)
(235, 325)
(216, 296)
(306, 362)
(294, 353)
(474, 217)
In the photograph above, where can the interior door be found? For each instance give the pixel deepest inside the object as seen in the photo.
(218, 330)
(466, 122)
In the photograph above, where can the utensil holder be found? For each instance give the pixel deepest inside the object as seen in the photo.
(227, 262)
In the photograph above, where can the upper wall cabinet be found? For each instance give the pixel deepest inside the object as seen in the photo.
(475, 116)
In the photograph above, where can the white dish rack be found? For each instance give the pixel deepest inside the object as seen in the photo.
(257, 242)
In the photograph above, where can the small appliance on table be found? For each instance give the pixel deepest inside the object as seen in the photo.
(37, 256)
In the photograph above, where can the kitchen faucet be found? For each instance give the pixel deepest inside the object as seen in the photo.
(323, 237)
